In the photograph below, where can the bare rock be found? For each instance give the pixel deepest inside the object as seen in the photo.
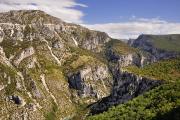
(88, 81)
(24, 54)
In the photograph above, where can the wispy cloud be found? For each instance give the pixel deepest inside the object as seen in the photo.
(64, 9)
(137, 26)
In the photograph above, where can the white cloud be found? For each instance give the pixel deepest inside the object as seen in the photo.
(63, 9)
(135, 27)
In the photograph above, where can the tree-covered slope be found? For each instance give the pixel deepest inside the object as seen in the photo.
(161, 103)
(168, 70)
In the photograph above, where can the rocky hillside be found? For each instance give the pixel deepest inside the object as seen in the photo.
(48, 68)
(161, 103)
(54, 70)
(129, 82)
(160, 46)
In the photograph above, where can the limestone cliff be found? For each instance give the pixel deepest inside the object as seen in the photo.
(160, 46)
(93, 82)
(126, 87)
(50, 69)
(35, 49)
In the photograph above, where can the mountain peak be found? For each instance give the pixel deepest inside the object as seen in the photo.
(28, 12)
(28, 17)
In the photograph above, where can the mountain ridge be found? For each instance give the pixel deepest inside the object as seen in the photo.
(50, 69)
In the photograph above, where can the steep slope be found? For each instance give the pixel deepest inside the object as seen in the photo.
(122, 54)
(160, 46)
(159, 103)
(129, 82)
(126, 85)
(28, 25)
(51, 70)
(48, 68)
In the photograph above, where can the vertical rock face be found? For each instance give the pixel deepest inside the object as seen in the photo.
(95, 42)
(123, 55)
(2, 54)
(157, 46)
(1, 34)
(92, 82)
(31, 25)
(126, 60)
(33, 48)
(49, 69)
(126, 86)
(123, 60)
(35, 91)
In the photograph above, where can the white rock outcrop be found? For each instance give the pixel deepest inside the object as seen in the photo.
(24, 54)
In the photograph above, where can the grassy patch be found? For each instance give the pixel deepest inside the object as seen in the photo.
(81, 58)
(81, 61)
(11, 48)
(12, 74)
(120, 47)
(52, 114)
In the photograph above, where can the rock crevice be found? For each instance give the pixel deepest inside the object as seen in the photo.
(126, 86)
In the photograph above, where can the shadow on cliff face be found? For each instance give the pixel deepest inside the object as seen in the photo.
(126, 87)
(174, 114)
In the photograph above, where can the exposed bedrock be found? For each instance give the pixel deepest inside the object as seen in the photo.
(126, 86)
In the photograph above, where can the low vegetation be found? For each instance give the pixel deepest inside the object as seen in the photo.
(52, 114)
(81, 58)
(168, 70)
(158, 104)
(161, 103)
(120, 47)
(166, 42)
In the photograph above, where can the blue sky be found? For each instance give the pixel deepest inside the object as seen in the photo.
(105, 11)
(122, 19)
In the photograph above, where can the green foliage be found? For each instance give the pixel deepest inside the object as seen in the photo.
(28, 30)
(52, 114)
(80, 112)
(120, 47)
(166, 42)
(80, 58)
(81, 61)
(47, 65)
(10, 72)
(161, 103)
(10, 47)
(81, 51)
(150, 106)
(168, 70)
